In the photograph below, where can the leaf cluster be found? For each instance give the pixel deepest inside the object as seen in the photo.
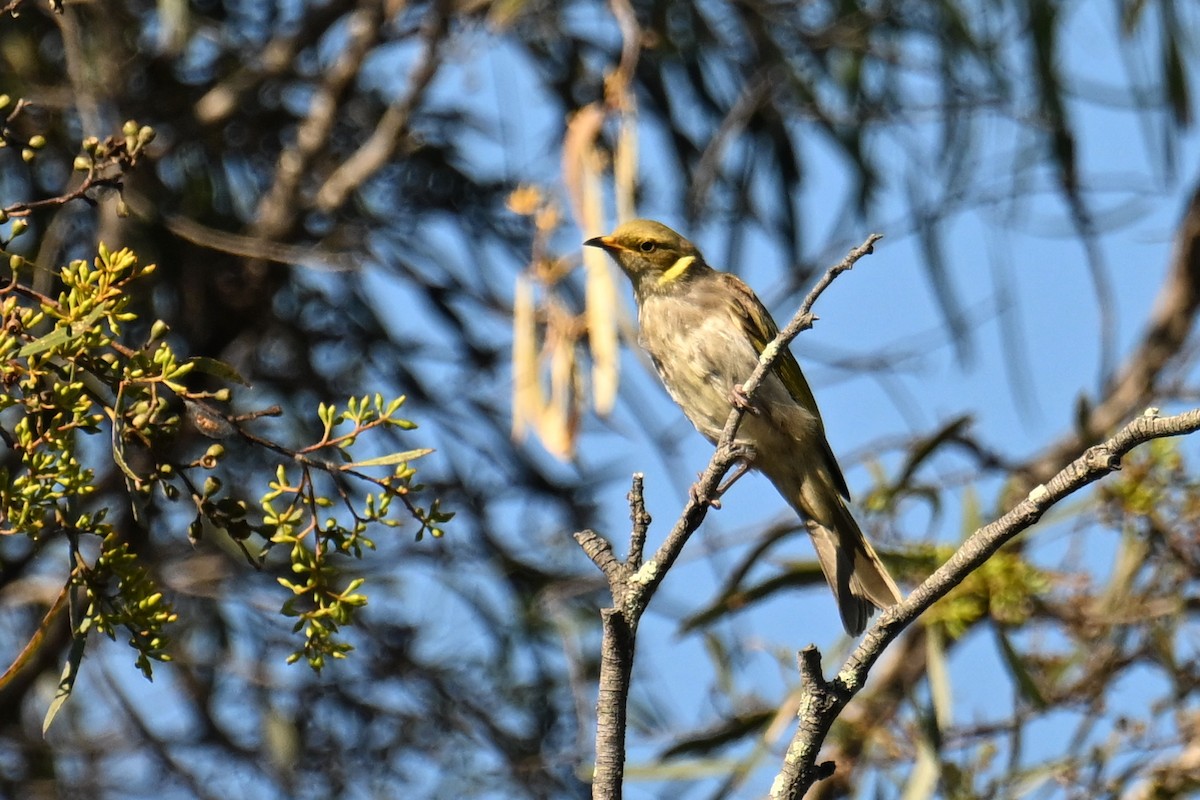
(83, 380)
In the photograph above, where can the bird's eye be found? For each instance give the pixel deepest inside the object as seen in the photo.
(647, 247)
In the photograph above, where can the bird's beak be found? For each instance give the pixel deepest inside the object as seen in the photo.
(603, 242)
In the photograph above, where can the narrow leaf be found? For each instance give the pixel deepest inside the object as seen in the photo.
(1016, 666)
(941, 694)
(217, 368)
(625, 160)
(67, 681)
(394, 458)
(601, 298)
(36, 642)
(527, 400)
(61, 335)
(578, 147)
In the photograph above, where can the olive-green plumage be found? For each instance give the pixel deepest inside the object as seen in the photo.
(704, 330)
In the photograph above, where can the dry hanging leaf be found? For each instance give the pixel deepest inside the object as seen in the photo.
(625, 164)
(525, 200)
(559, 421)
(579, 157)
(601, 290)
(602, 330)
(527, 395)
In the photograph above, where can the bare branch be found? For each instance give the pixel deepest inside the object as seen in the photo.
(223, 100)
(821, 702)
(80, 192)
(252, 247)
(277, 209)
(389, 132)
(640, 519)
(600, 552)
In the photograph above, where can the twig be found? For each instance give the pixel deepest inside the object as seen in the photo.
(80, 192)
(273, 61)
(277, 210)
(756, 92)
(640, 519)
(822, 701)
(633, 582)
(31, 649)
(373, 154)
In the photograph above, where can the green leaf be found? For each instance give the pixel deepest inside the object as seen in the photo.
(67, 681)
(394, 458)
(62, 335)
(941, 695)
(1016, 666)
(119, 460)
(219, 369)
(930, 445)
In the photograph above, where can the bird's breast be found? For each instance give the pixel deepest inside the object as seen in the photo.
(699, 356)
(701, 351)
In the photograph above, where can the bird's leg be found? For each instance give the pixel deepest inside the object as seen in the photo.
(742, 468)
(737, 396)
(745, 458)
(744, 454)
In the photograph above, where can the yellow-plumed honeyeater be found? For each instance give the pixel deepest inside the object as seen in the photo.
(705, 330)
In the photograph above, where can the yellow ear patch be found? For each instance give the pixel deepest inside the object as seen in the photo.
(676, 269)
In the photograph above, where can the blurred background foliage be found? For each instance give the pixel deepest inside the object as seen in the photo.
(355, 197)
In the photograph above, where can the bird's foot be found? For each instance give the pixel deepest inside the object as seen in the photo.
(745, 453)
(737, 396)
(694, 493)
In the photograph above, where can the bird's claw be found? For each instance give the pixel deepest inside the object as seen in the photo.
(743, 452)
(737, 396)
(694, 491)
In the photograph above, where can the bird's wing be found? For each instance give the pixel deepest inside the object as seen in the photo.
(760, 329)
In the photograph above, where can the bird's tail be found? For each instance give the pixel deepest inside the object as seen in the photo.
(859, 580)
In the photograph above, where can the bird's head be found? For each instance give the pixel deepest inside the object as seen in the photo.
(655, 258)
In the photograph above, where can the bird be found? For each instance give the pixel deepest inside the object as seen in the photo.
(704, 331)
